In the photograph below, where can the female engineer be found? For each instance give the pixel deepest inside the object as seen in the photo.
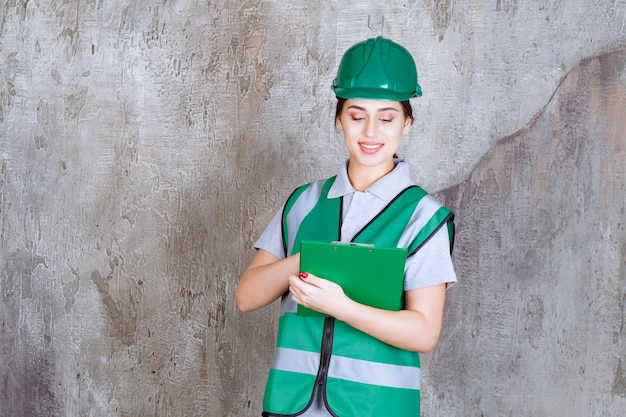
(358, 360)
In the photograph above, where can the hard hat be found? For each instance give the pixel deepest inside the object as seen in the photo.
(378, 69)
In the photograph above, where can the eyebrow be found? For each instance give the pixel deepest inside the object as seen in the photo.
(378, 110)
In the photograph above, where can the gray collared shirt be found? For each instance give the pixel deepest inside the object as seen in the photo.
(431, 265)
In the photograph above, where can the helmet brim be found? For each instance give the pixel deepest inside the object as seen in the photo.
(375, 94)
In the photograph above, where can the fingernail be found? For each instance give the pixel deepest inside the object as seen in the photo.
(304, 275)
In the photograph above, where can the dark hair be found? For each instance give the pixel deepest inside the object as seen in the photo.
(406, 107)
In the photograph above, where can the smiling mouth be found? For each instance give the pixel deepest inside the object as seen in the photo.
(370, 147)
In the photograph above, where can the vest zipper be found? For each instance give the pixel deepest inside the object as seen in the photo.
(325, 354)
(325, 357)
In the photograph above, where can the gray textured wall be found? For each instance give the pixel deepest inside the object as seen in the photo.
(537, 326)
(145, 145)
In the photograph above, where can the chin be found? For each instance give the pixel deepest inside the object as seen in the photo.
(374, 161)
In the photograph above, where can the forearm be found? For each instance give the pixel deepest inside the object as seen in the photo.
(405, 329)
(265, 280)
(416, 328)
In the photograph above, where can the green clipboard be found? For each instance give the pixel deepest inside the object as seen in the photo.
(368, 275)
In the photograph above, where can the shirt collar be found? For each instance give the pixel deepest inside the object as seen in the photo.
(385, 188)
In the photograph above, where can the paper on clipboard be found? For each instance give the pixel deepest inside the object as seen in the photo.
(369, 275)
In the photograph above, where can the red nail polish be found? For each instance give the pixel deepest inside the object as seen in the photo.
(304, 275)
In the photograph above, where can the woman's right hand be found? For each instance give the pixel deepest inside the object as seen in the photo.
(317, 293)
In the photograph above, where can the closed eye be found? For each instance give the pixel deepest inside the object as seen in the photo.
(357, 115)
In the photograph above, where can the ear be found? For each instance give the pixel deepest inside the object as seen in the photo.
(407, 125)
(338, 124)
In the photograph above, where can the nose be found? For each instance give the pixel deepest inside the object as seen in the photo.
(369, 129)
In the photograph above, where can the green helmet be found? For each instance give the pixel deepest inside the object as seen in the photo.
(378, 69)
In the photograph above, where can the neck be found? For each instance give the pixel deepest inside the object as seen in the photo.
(362, 177)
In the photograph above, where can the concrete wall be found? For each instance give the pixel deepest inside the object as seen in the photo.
(145, 145)
(537, 326)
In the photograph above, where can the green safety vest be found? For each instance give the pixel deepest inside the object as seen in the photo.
(359, 374)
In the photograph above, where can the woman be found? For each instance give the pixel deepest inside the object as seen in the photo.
(359, 360)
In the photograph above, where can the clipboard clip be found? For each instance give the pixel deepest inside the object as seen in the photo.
(336, 242)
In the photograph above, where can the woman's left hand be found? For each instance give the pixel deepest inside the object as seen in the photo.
(317, 293)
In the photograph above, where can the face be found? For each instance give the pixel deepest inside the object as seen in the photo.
(372, 131)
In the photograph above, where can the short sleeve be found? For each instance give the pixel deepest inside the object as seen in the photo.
(271, 240)
(431, 265)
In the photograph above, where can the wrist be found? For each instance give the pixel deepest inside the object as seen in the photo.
(347, 310)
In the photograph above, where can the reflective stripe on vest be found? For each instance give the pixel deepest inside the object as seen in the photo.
(302, 206)
(361, 375)
(427, 208)
(356, 370)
